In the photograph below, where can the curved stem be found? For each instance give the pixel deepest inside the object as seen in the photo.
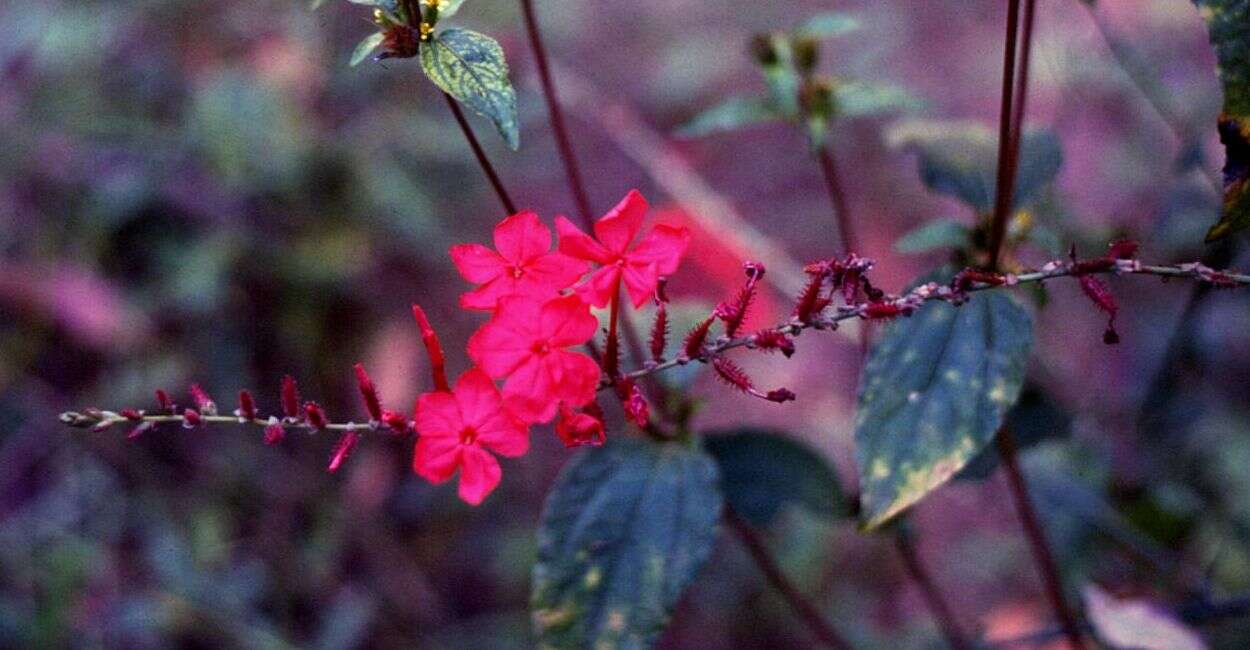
(480, 154)
(556, 113)
(1042, 556)
(806, 611)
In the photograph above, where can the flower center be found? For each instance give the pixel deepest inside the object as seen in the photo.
(468, 436)
(540, 347)
(517, 272)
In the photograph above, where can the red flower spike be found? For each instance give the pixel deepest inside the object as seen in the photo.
(191, 418)
(881, 311)
(162, 398)
(809, 303)
(639, 267)
(316, 415)
(395, 421)
(369, 393)
(696, 337)
(732, 374)
(774, 340)
(579, 429)
(247, 407)
(523, 265)
(459, 429)
(525, 342)
(1101, 296)
(342, 449)
(290, 399)
(274, 432)
(203, 402)
(659, 332)
(140, 430)
(132, 415)
(438, 364)
(781, 396)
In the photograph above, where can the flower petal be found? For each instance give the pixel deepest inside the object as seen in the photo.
(574, 377)
(597, 290)
(557, 270)
(438, 415)
(477, 397)
(640, 281)
(507, 340)
(566, 321)
(477, 263)
(487, 296)
(618, 227)
(575, 243)
(436, 459)
(522, 237)
(529, 392)
(479, 474)
(663, 246)
(503, 434)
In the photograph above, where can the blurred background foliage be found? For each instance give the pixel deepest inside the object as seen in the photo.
(207, 192)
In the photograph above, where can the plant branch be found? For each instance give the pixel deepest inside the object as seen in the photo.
(1042, 555)
(933, 596)
(837, 196)
(480, 154)
(1004, 178)
(804, 608)
(556, 115)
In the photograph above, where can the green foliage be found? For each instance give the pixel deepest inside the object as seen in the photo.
(449, 8)
(959, 159)
(366, 46)
(936, 388)
(390, 6)
(939, 233)
(867, 99)
(624, 531)
(1228, 22)
(1035, 418)
(731, 115)
(763, 472)
(826, 24)
(471, 67)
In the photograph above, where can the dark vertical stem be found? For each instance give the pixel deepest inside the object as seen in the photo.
(933, 597)
(1021, 98)
(805, 610)
(837, 196)
(612, 355)
(567, 156)
(1004, 183)
(481, 155)
(1038, 545)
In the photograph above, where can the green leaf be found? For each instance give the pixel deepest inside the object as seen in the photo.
(1228, 23)
(959, 159)
(449, 8)
(731, 115)
(863, 99)
(783, 80)
(1034, 419)
(470, 67)
(390, 6)
(939, 233)
(624, 532)
(762, 472)
(366, 47)
(936, 388)
(830, 23)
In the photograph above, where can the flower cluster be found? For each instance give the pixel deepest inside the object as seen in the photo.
(540, 302)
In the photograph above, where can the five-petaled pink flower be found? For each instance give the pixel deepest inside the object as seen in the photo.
(455, 430)
(525, 341)
(524, 264)
(656, 254)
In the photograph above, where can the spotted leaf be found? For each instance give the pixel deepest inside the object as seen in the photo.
(471, 67)
(1228, 22)
(624, 532)
(936, 388)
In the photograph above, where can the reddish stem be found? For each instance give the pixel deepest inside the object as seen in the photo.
(837, 196)
(482, 160)
(612, 354)
(933, 597)
(1005, 175)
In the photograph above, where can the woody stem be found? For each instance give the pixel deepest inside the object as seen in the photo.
(480, 154)
(612, 355)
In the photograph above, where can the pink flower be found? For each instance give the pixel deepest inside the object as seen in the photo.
(525, 341)
(457, 428)
(524, 264)
(656, 254)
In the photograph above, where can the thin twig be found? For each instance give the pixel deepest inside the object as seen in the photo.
(1004, 183)
(806, 611)
(837, 196)
(480, 154)
(1042, 555)
(556, 114)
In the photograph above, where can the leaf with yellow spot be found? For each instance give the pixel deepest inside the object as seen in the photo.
(936, 388)
(624, 532)
(1228, 23)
